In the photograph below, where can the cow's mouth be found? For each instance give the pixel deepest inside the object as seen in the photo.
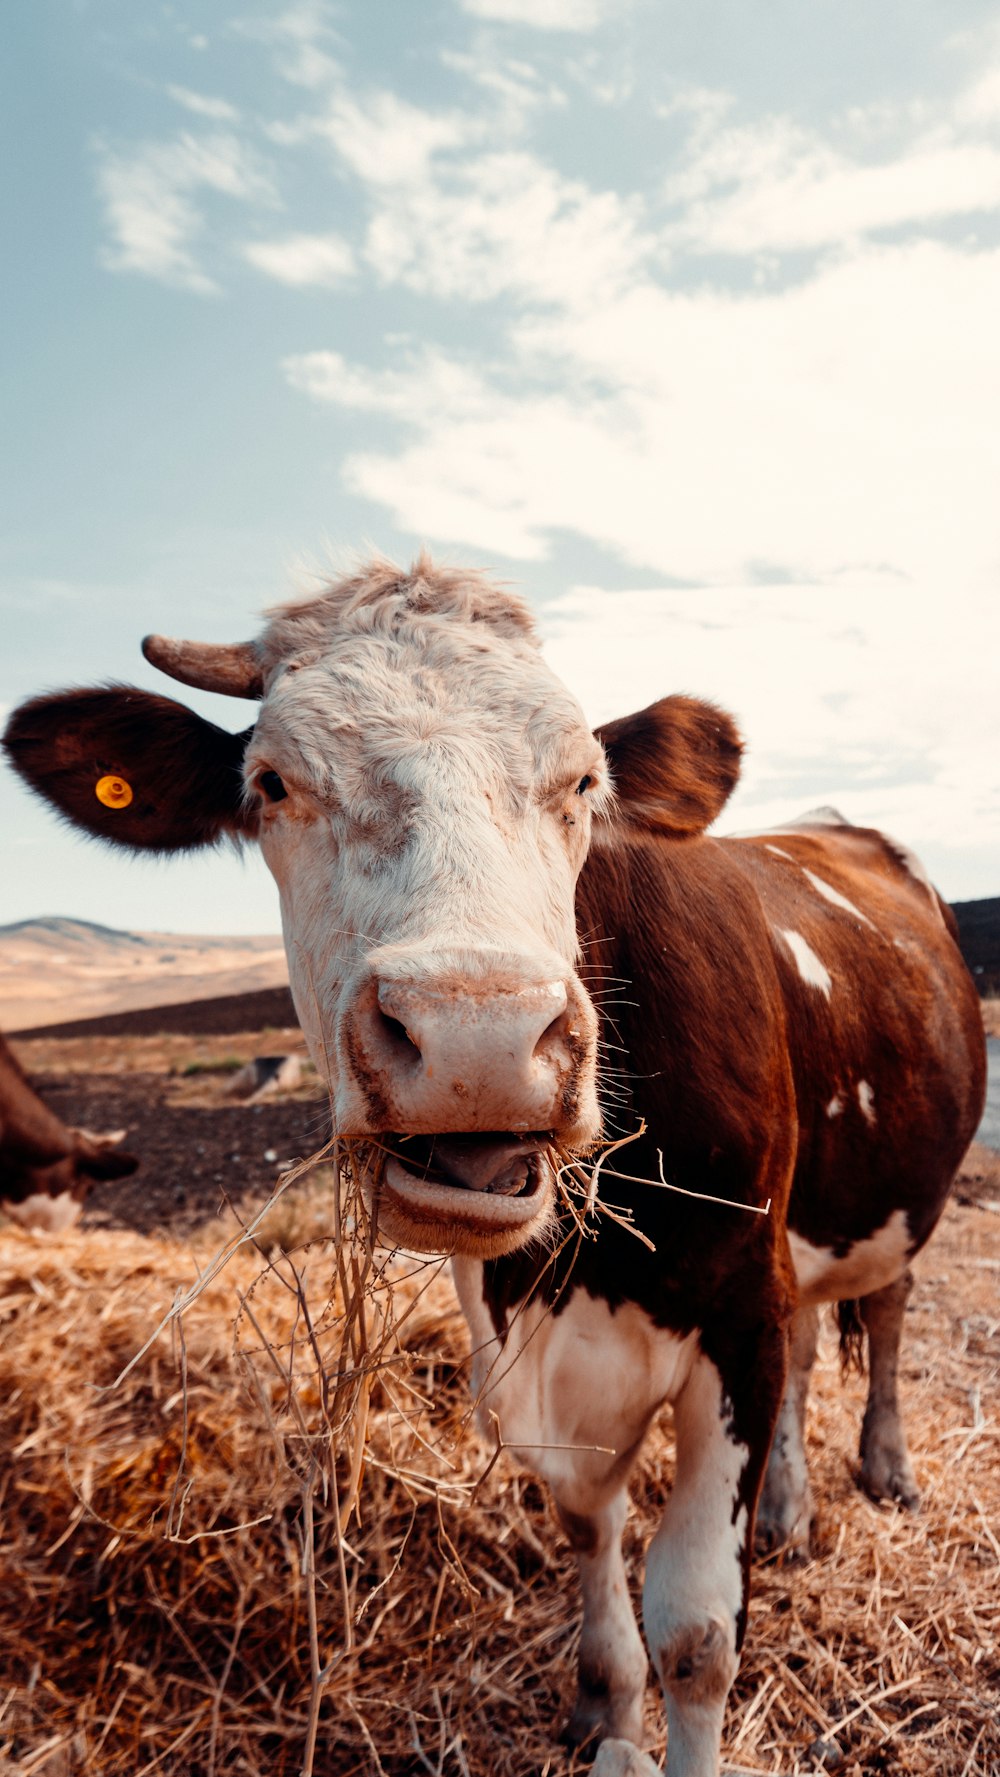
(476, 1194)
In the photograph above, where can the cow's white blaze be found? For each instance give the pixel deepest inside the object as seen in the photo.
(811, 969)
(438, 783)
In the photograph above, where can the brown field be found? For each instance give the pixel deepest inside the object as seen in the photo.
(175, 1598)
(51, 969)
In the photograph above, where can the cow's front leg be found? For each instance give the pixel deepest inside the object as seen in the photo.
(612, 1664)
(785, 1510)
(697, 1571)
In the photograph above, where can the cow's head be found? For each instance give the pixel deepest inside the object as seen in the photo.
(45, 1190)
(423, 788)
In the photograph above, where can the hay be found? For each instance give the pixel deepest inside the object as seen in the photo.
(175, 1597)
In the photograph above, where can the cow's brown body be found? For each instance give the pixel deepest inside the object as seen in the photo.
(788, 1014)
(46, 1168)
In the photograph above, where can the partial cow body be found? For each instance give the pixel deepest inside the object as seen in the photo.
(788, 1014)
(47, 1168)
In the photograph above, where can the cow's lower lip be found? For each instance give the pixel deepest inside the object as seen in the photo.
(504, 1198)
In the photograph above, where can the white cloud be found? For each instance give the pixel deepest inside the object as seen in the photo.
(871, 700)
(515, 87)
(502, 223)
(388, 142)
(775, 188)
(436, 381)
(203, 105)
(544, 15)
(303, 259)
(980, 103)
(455, 218)
(149, 199)
(299, 38)
(463, 480)
(850, 419)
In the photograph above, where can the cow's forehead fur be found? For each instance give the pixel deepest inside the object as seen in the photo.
(380, 599)
(384, 668)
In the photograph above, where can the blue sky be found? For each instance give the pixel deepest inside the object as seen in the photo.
(684, 318)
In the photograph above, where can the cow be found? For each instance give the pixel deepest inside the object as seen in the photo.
(511, 940)
(47, 1168)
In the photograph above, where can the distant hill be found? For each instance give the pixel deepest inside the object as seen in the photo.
(979, 937)
(268, 1008)
(57, 970)
(57, 931)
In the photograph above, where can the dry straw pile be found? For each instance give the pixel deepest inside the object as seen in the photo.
(275, 1544)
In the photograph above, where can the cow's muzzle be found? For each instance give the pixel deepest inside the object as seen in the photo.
(447, 1056)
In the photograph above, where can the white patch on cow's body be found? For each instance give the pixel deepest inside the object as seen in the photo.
(835, 1106)
(866, 1099)
(573, 1392)
(869, 1264)
(43, 1214)
(834, 896)
(776, 849)
(806, 961)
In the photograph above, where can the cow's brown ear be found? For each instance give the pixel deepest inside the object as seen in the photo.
(131, 767)
(674, 765)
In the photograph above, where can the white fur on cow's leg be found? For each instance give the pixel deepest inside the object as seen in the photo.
(612, 1663)
(885, 1463)
(694, 1590)
(785, 1510)
(619, 1758)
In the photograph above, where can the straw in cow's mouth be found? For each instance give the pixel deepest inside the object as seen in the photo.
(496, 1164)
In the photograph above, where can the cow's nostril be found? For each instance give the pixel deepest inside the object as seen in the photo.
(553, 1036)
(398, 1034)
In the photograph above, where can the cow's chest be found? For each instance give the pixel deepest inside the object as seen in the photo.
(573, 1389)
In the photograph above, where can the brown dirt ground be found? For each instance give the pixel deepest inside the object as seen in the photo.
(198, 1146)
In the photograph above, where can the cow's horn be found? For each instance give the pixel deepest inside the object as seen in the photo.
(210, 666)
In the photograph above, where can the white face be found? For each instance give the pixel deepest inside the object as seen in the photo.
(438, 786)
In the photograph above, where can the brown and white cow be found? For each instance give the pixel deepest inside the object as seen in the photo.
(46, 1168)
(502, 929)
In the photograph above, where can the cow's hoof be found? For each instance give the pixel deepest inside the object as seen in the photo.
(777, 1541)
(621, 1758)
(890, 1479)
(602, 1718)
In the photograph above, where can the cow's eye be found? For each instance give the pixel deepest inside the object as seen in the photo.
(584, 784)
(271, 786)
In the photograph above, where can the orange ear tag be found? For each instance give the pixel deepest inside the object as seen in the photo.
(114, 792)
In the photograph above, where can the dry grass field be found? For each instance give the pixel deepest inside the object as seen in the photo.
(174, 1594)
